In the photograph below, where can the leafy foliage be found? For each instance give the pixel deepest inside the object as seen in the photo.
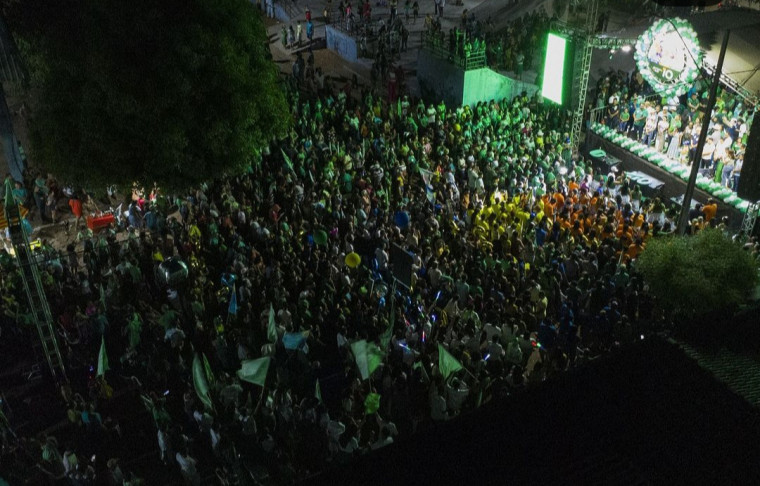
(170, 91)
(698, 274)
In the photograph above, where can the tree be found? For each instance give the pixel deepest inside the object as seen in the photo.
(172, 91)
(696, 275)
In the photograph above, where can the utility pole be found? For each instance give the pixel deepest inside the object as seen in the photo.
(683, 219)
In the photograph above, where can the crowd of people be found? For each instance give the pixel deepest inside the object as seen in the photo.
(672, 126)
(462, 46)
(521, 269)
(515, 47)
(518, 46)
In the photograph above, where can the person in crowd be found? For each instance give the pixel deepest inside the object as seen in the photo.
(662, 129)
(651, 125)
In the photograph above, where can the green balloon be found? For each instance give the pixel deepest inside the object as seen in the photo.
(320, 237)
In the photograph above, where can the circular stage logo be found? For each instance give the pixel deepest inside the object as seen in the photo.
(668, 56)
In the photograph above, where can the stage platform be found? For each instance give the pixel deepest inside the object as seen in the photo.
(653, 180)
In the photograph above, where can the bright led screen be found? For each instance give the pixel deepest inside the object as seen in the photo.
(554, 68)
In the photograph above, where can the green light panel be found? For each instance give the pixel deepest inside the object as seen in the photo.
(554, 68)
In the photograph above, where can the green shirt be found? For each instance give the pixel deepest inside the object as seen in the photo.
(640, 116)
(675, 124)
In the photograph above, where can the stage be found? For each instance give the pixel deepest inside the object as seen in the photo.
(653, 180)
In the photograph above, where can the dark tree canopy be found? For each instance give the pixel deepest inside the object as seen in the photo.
(170, 91)
(694, 275)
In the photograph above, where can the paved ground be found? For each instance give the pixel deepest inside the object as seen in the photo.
(499, 11)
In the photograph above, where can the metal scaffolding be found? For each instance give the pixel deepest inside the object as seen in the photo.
(750, 218)
(582, 68)
(35, 293)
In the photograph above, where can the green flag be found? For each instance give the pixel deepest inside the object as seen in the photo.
(148, 403)
(359, 349)
(368, 357)
(200, 383)
(375, 357)
(255, 370)
(288, 163)
(423, 373)
(318, 392)
(447, 364)
(385, 338)
(271, 326)
(372, 403)
(102, 358)
(134, 328)
(103, 296)
(207, 370)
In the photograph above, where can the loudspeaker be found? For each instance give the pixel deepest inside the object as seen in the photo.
(749, 182)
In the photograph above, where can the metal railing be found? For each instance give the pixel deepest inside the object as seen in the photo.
(370, 33)
(352, 24)
(596, 115)
(730, 83)
(437, 46)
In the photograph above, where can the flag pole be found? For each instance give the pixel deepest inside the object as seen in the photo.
(683, 219)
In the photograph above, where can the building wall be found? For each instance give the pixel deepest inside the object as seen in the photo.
(280, 13)
(343, 44)
(441, 80)
(485, 84)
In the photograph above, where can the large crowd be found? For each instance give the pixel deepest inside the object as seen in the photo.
(514, 47)
(672, 126)
(518, 46)
(521, 268)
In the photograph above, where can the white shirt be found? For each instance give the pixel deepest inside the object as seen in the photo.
(335, 429)
(382, 258)
(351, 446)
(491, 331)
(163, 441)
(187, 464)
(495, 350)
(456, 396)
(215, 438)
(381, 443)
(438, 407)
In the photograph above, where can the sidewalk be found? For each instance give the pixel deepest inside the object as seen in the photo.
(341, 70)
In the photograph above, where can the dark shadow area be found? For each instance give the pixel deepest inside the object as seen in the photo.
(646, 415)
(738, 332)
